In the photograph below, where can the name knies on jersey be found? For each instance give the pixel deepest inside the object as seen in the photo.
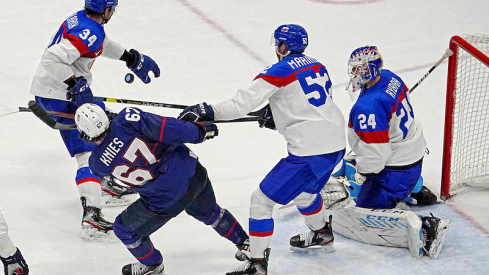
(111, 151)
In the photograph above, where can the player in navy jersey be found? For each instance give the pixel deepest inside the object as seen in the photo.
(389, 146)
(298, 89)
(147, 152)
(62, 83)
(12, 259)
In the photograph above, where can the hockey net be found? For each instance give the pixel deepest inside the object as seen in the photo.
(466, 138)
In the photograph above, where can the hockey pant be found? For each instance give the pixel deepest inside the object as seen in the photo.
(386, 227)
(134, 226)
(87, 183)
(7, 248)
(293, 178)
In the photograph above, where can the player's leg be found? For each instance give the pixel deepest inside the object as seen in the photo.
(386, 189)
(12, 259)
(133, 227)
(205, 209)
(314, 174)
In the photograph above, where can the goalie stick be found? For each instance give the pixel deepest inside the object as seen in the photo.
(45, 116)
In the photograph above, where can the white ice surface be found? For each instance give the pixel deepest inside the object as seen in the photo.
(206, 50)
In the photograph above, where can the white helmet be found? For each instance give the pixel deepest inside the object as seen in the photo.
(91, 121)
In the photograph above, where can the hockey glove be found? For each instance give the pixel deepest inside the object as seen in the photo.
(208, 130)
(266, 119)
(15, 264)
(359, 178)
(142, 65)
(79, 90)
(199, 112)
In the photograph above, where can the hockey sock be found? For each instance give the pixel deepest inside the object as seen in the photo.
(261, 232)
(140, 247)
(89, 187)
(314, 213)
(225, 225)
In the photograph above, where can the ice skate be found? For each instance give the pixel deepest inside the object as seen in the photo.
(140, 269)
(243, 253)
(314, 239)
(94, 226)
(435, 231)
(116, 194)
(423, 197)
(253, 266)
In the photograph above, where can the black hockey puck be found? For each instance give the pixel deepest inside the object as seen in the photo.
(129, 78)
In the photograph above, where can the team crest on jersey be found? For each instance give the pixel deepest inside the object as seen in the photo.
(72, 21)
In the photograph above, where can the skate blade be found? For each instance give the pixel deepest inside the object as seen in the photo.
(441, 235)
(329, 248)
(112, 201)
(95, 235)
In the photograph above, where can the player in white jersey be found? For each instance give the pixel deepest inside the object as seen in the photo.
(12, 259)
(62, 83)
(389, 145)
(298, 90)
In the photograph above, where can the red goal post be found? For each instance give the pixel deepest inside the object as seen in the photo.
(466, 137)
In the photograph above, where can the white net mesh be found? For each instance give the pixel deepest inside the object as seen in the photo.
(470, 142)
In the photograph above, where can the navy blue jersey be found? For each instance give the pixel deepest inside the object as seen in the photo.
(146, 151)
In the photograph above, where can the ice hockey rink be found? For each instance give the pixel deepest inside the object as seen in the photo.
(206, 50)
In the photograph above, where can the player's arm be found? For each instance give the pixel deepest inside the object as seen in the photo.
(165, 129)
(368, 136)
(245, 100)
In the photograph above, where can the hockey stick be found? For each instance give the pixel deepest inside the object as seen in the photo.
(447, 53)
(45, 116)
(152, 104)
(13, 110)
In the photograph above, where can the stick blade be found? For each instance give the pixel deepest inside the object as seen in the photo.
(46, 118)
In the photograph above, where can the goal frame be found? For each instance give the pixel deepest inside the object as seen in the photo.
(456, 42)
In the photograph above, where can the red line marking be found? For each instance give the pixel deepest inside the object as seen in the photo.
(223, 31)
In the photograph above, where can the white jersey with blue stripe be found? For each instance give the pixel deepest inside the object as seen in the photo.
(382, 130)
(298, 89)
(72, 51)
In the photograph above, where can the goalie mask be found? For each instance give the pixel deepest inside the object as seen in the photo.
(364, 65)
(92, 121)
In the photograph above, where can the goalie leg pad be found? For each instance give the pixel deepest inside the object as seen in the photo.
(386, 227)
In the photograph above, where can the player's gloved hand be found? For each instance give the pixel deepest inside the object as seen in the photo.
(266, 119)
(80, 91)
(208, 129)
(199, 112)
(15, 264)
(142, 65)
(359, 178)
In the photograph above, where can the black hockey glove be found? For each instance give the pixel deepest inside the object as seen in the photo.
(199, 112)
(208, 130)
(266, 119)
(15, 264)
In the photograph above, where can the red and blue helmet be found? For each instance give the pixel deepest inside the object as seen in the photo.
(294, 36)
(99, 6)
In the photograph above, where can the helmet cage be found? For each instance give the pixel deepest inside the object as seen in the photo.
(365, 64)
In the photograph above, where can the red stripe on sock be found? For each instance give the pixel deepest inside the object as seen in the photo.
(232, 229)
(78, 182)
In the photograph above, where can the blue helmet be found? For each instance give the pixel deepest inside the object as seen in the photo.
(294, 37)
(365, 64)
(99, 6)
